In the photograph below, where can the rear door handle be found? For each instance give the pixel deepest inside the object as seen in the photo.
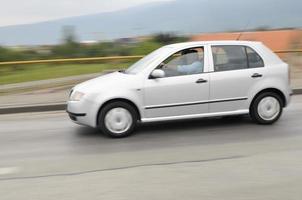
(201, 81)
(257, 75)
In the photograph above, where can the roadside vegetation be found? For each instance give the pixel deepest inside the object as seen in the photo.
(70, 48)
(49, 71)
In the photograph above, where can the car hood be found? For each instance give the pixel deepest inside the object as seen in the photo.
(107, 81)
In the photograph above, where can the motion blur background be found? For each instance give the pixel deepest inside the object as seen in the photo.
(48, 46)
(76, 29)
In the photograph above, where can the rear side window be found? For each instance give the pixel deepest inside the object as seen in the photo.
(253, 58)
(235, 57)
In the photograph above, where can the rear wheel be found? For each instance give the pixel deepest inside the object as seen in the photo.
(266, 108)
(117, 119)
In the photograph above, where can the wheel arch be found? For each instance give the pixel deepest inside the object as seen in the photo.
(118, 100)
(274, 90)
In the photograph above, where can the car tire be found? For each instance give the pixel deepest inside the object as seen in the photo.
(266, 108)
(117, 119)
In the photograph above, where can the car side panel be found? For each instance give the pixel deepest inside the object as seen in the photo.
(276, 78)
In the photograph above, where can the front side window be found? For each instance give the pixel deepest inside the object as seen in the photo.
(235, 57)
(185, 62)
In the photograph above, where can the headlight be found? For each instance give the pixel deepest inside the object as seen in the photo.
(76, 96)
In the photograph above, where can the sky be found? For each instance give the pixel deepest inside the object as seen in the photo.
(14, 12)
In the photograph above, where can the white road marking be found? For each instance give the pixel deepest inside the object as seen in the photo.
(9, 170)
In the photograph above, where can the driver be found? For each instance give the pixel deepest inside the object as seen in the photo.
(194, 64)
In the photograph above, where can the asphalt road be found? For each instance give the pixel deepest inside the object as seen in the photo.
(45, 156)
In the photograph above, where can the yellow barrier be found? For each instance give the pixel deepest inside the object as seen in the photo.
(111, 58)
(288, 51)
(71, 60)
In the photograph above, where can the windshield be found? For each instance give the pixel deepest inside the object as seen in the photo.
(142, 63)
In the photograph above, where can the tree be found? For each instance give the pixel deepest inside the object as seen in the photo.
(70, 47)
(69, 35)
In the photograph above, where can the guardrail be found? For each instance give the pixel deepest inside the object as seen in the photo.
(110, 58)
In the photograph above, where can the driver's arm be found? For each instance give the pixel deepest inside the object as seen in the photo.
(195, 67)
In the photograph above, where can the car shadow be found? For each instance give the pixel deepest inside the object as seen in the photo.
(222, 130)
(88, 132)
(173, 126)
(192, 124)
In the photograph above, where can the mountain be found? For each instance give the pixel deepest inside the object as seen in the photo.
(190, 16)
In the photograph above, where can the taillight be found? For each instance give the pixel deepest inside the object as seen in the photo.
(289, 74)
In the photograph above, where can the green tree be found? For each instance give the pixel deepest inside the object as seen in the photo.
(70, 47)
(146, 47)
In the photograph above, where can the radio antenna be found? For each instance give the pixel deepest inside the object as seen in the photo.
(241, 33)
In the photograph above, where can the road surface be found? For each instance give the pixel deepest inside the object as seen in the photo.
(45, 156)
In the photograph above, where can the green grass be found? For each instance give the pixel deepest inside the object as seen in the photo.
(26, 73)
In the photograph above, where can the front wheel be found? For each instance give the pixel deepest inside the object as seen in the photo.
(266, 108)
(117, 119)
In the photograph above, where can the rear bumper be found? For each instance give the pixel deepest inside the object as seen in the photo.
(288, 97)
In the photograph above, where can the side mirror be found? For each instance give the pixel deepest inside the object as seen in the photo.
(158, 73)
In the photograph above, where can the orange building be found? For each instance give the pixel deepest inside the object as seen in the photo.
(274, 39)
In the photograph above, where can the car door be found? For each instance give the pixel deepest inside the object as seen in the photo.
(183, 92)
(235, 70)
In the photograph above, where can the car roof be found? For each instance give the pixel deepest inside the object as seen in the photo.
(217, 42)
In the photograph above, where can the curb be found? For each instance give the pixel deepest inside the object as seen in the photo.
(33, 108)
(58, 107)
(297, 91)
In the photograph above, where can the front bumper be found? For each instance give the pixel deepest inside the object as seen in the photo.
(75, 116)
(83, 112)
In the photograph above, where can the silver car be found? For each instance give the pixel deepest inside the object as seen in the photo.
(185, 81)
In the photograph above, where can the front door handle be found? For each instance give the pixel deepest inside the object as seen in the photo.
(257, 75)
(201, 81)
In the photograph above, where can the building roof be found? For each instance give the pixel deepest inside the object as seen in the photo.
(275, 39)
